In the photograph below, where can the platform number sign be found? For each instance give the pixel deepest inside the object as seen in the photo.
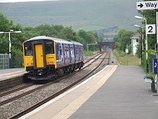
(150, 29)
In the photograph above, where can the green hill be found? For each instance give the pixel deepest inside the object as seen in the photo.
(80, 14)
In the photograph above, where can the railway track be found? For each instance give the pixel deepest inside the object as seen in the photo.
(16, 89)
(24, 89)
(94, 63)
(87, 63)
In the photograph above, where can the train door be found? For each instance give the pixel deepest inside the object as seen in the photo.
(39, 55)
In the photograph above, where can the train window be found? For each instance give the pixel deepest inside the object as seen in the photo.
(66, 49)
(49, 49)
(76, 50)
(28, 49)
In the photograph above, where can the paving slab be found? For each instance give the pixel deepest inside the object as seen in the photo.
(125, 95)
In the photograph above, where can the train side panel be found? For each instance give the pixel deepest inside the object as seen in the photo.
(59, 55)
(78, 49)
(78, 53)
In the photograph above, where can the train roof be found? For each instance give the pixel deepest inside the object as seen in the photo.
(53, 39)
(48, 38)
(38, 37)
(57, 40)
(76, 43)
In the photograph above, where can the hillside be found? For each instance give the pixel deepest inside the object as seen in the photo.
(80, 14)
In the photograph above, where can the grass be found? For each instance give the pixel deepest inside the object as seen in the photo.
(126, 59)
(89, 53)
(122, 58)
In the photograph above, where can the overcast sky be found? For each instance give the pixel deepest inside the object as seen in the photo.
(6, 1)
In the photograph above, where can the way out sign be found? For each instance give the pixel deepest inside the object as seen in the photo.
(150, 29)
(147, 5)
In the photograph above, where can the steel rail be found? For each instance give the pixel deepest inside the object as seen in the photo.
(58, 93)
(15, 90)
(38, 88)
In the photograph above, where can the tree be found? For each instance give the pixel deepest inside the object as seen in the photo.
(5, 24)
(67, 33)
(17, 39)
(122, 39)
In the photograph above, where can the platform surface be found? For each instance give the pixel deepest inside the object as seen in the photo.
(9, 73)
(4, 71)
(117, 92)
(124, 96)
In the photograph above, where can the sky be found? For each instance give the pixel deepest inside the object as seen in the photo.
(12, 1)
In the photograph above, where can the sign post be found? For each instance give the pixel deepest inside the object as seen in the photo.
(151, 28)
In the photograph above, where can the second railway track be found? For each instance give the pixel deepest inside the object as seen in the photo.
(42, 95)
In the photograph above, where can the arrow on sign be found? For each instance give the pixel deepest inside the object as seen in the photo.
(140, 5)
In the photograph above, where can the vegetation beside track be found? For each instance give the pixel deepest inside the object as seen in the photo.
(90, 53)
(126, 59)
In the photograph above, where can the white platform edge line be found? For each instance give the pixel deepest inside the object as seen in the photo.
(60, 96)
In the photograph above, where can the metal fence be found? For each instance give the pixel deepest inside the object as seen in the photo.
(4, 61)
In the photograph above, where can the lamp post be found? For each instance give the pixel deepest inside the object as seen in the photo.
(146, 41)
(10, 45)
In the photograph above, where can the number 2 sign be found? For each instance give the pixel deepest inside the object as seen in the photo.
(150, 29)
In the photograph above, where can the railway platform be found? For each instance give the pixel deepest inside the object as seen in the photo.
(7, 73)
(116, 92)
(11, 77)
(4, 71)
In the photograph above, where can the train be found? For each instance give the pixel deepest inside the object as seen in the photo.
(46, 58)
